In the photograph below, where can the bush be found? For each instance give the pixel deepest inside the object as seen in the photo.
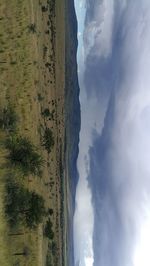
(40, 98)
(23, 206)
(54, 248)
(46, 112)
(48, 232)
(22, 154)
(8, 119)
(48, 140)
(48, 259)
(50, 212)
(32, 28)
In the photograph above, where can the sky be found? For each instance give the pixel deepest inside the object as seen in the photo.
(112, 216)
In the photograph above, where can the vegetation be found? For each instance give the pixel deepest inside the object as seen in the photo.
(47, 114)
(23, 207)
(27, 94)
(40, 98)
(8, 118)
(48, 232)
(25, 252)
(48, 140)
(48, 259)
(44, 8)
(32, 28)
(50, 211)
(22, 154)
(53, 248)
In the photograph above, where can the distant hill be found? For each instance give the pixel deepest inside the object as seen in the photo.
(73, 119)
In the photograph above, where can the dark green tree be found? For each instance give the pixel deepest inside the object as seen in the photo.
(36, 210)
(23, 154)
(22, 206)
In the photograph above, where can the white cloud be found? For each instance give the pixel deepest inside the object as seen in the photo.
(79, 34)
(98, 32)
(128, 149)
(81, 3)
(129, 154)
(89, 261)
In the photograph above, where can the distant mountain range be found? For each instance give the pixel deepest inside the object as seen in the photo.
(72, 104)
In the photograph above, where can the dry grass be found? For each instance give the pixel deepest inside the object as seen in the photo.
(31, 85)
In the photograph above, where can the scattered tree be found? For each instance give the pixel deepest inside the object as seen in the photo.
(23, 154)
(23, 207)
(36, 210)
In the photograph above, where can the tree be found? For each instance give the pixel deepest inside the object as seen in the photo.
(23, 207)
(16, 201)
(36, 211)
(23, 154)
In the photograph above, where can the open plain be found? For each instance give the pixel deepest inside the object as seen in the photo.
(32, 82)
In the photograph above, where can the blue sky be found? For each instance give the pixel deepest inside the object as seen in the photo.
(112, 217)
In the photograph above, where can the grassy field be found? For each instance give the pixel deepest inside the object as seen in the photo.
(32, 82)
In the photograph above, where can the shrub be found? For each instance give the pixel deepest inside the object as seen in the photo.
(40, 98)
(50, 212)
(48, 259)
(32, 28)
(48, 140)
(48, 232)
(46, 112)
(54, 248)
(44, 8)
(22, 154)
(8, 119)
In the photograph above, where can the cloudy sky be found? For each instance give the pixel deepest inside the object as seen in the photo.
(112, 217)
